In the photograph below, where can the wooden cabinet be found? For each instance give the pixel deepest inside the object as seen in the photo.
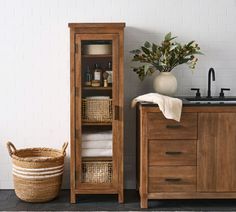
(96, 87)
(193, 158)
(172, 152)
(165, 179)
(217, 152)
(161, 128)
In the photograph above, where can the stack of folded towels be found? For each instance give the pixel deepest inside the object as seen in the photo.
(97, 143)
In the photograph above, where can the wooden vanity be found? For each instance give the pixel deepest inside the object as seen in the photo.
(191, 159)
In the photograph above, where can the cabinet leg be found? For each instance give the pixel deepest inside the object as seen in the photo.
(72, 197)
(121, 197)
(144, 202)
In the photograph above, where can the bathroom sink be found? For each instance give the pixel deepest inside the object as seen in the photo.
(213, 100)
(209, 99)
(228, 98)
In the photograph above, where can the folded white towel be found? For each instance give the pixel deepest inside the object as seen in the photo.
(170, 107)
(97, 144)
(97, 135)
(96, 152)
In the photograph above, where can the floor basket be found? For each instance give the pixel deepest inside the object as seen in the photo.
(37, 172)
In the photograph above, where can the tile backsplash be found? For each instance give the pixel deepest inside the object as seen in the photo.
(34, 82)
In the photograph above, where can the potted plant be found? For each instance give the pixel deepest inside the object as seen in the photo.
(164, 58)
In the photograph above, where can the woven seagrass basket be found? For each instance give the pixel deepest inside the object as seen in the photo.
(37, 172)
(96, 110)
(97, 172)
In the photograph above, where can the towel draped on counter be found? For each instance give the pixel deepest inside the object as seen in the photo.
(169, 106)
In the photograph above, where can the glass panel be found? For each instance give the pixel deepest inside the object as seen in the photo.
(97, 136)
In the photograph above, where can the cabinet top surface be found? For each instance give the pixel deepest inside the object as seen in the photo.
(219, 103)
(97, 25)
(150, 107)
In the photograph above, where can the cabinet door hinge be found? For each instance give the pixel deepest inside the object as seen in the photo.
(76, 48)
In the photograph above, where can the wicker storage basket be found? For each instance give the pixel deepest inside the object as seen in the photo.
(97, 172)
(96, 110)
(37, 172)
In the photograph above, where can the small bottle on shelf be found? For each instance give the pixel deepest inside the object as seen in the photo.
(109, 71)
(97, 76)
(88, 77)
(105, 82)
(97, 72)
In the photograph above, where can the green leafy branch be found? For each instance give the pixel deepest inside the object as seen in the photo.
(164, 57)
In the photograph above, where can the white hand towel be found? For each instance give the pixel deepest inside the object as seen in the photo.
(97, 144)
(96, 152)
(169, 106)
(97, 135)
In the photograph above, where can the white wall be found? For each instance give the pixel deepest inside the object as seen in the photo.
(34, 62)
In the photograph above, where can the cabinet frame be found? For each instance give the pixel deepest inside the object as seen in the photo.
(143, 139)
(96, 31)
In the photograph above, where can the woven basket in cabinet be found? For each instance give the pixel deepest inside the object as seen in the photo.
(97, 172)
(37, 172)
(96, 110)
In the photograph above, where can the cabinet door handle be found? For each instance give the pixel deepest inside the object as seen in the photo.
(173, 153)
(173, 179)
(173, 126)
(116, 117)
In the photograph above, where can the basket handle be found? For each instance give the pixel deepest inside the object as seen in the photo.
(11, 148)
(64, 146)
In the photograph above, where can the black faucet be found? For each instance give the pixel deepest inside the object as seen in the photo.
(210, 72)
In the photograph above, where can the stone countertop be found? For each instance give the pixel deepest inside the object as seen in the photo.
(188, 103)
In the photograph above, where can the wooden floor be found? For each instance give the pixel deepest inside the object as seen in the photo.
(9, 202)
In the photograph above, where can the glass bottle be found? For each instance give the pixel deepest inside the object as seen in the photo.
(97, 73)
(109, 71)
(88, 77)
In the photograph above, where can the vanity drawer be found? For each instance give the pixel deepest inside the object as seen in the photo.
(172, 152)
(158, 127)
(172, 179)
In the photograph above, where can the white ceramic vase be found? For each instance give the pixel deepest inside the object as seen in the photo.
(165, 83)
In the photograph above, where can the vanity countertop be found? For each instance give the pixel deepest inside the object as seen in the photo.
(222, 102)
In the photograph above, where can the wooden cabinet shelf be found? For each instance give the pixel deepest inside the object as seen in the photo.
(101, 171)
(97, 158)
(96, 123)
(103, 188)
(97, 88)
(90, 89)
(97, 56)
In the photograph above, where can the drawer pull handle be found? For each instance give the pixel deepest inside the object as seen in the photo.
(173, 126)
(173, 153)
(173, 179)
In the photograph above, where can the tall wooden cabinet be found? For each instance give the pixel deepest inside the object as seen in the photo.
(96, 77)
(191, 159)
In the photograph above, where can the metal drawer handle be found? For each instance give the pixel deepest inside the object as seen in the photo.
(173, 153)
(173, 179)
(173, 126)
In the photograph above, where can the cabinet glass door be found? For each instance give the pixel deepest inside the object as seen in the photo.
(96, 110)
